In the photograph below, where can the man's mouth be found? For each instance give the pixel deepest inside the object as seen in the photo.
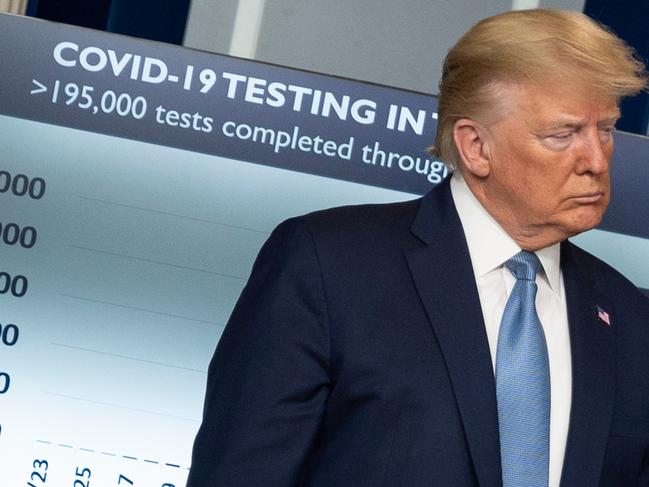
(589, 198)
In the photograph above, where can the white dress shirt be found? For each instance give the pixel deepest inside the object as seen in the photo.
(490, 247)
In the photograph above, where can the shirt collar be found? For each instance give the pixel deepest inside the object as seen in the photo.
(489, 244)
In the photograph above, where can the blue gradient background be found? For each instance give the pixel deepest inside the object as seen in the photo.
(142, 251)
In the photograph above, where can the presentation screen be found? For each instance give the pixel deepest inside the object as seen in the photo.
(137, 183)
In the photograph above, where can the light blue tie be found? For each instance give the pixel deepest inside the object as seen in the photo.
(523, 382)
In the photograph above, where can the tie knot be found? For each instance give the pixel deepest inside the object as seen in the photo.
(524, 265)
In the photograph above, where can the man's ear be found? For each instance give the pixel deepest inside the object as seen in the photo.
(472, 147)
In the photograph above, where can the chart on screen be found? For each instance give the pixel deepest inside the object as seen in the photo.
(120, 263)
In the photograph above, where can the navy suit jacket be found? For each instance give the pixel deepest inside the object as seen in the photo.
(357, 356)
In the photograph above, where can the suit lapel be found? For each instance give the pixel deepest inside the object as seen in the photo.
(456, 318)
(443, 275)
(592, 344)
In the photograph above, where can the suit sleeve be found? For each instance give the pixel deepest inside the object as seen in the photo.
(269, 378)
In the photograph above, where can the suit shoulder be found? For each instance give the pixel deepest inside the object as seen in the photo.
(609, 280)
(357, 221)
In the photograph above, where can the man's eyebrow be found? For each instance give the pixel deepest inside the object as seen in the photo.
(575, 123)
(611, 119)
(568, 123)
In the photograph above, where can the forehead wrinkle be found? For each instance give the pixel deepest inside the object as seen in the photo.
(569, 121)
(577, 91)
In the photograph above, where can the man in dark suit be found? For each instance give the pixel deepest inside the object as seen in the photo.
(460, 339)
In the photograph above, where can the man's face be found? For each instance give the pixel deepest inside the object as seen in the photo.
(549, 169)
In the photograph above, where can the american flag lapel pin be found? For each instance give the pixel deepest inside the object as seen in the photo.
(603, 316)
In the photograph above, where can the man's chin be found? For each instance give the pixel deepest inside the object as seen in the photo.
(586, 220)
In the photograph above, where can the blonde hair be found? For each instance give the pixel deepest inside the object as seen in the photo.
(529, 45)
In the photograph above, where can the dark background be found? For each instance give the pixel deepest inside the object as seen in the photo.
(165, 20)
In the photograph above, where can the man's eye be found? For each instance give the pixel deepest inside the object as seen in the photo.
(561, 136)
(559, 141)
(606, 133)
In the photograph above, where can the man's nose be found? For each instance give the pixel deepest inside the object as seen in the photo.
(595, 152)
